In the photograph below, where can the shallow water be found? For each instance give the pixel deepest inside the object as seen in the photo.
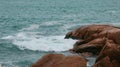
(30, 29)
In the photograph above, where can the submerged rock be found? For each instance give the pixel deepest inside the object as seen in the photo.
(59, 60)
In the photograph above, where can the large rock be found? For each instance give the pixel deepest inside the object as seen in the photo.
(111, 50)
(93, 46)
(86, 32)
(112, 34)
(98, 39)
(109, 55)
(94, 38)
(59, 60)
(106, 62)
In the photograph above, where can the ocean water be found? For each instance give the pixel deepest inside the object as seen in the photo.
(30, 29)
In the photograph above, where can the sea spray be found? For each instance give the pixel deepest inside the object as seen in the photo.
(40, 43)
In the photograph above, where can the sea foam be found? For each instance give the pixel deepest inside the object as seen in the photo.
(32, 41)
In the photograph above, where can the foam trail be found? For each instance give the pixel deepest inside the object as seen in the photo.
(32, 41)
(31, 27)
(50, 23)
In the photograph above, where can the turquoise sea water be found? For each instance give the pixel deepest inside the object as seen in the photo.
(30, 29)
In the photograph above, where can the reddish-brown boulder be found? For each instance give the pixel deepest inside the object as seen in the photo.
(106, 62)
(111, 50)
(96, 43)
(88, 32)
(112, 34)
(59, 60)
(93, 46)
(109, 55)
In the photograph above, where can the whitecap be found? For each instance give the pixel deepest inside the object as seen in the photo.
(31, 27)
(41, 43)
(50, 23)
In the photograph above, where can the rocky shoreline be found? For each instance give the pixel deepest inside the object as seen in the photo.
(100, 40)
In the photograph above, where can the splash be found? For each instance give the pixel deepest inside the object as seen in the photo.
(32, 41)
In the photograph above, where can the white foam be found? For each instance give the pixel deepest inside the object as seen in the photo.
(31, 41)
(111, 11)
(31, 27)
(91, 61)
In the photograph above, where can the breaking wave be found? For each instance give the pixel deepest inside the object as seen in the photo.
(32, 41)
